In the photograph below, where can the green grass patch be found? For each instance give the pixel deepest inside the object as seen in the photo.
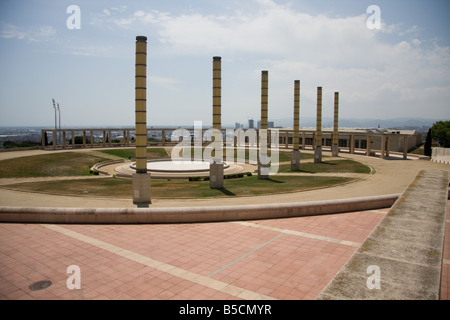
(333, 166)
(130, 153)
(176, 189)
(283, 155)
(49, 165)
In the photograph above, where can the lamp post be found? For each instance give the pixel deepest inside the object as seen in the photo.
(59, 114)
(54, 136)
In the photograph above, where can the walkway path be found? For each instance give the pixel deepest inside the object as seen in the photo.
(390, 177)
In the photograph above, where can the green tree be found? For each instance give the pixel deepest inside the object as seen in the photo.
(428, 142)
(441, 133)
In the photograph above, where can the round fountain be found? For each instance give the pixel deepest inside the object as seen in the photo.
(177, 166)
(170, 168)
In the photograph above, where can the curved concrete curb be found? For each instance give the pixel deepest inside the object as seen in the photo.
(192, 214)
(97, 166)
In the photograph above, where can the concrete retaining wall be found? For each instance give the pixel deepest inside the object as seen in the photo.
(441, 155)
(191, 214)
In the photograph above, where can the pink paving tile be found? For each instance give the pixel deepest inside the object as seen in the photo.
(287, 267)
(200, 248)
(287, 272)
(354, 226)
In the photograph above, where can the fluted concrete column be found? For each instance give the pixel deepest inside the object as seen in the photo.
(318, 146)
(304, 140)
(64, 139)
(295, 156)
(335, 138)
(141, 179)
(351, 141)
(383, 146)
(216, 168)
(405, 147)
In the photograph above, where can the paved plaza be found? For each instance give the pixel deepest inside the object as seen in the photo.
(283, 259)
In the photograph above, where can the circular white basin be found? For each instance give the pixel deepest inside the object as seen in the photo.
(175, 166)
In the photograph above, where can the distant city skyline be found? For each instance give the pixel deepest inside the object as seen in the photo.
(83, 57)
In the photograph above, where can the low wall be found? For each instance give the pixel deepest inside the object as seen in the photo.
(191, 214)
(441, 155)
(402, 258)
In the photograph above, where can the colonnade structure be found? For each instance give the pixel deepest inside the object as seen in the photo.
(363, 141)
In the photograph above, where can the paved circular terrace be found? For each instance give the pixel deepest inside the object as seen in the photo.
(293, 258)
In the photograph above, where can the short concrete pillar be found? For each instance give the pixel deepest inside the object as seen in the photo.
(286, 141)
(405, 147)
(387, 146)
(351, 141)
(263, 171)
(43, 133)
(110, 138)
(295, 160)
(303, 140)
(383, 147)
(216, 175)
(369, 146)
(142, 189)
(54, 139)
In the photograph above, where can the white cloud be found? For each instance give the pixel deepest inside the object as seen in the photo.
(384, 72)
(41, 33)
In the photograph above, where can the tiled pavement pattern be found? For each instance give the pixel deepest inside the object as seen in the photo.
(272, 259)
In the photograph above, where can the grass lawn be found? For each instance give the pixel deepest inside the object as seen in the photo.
(176, 189)
(338, 166)
(130, 153)
(49, 165)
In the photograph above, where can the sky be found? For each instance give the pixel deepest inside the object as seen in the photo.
(401, 69)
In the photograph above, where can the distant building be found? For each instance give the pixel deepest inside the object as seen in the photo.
(357, 138)
(251, 124)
